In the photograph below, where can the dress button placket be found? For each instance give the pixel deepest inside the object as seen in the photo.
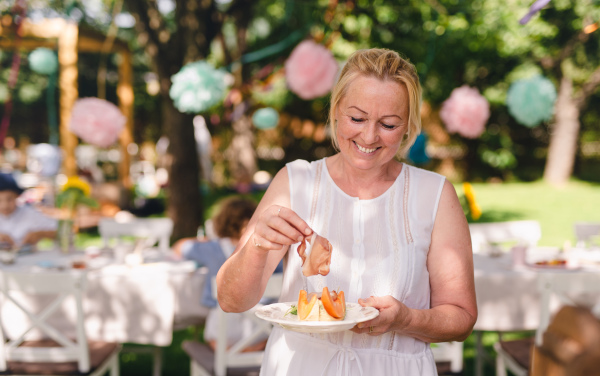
(357, 252)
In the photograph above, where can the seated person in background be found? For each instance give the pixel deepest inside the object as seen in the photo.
(229, 223)
(21, 225)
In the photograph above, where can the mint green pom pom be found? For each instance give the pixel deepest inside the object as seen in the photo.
(197, 87)
(43, 61)
(531, 100)
(265, 118)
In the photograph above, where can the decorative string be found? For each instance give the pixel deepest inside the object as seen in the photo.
(19, 9)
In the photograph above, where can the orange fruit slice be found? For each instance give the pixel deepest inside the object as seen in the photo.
(305, 305)
(335, 308)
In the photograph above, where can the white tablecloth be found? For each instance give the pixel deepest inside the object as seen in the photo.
(508, 297)
(135, 304)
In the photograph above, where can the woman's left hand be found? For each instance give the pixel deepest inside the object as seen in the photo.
(393, 315)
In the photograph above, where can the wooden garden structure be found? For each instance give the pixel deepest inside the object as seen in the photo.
(69, 38)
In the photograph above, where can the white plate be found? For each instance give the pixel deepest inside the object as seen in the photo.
(276, 313)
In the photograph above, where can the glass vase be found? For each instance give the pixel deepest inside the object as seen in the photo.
(66, 235)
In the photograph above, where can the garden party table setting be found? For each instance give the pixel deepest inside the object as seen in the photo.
(137, 301)
(506, 283)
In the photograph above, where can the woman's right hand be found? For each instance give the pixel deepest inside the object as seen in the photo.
(278, 227)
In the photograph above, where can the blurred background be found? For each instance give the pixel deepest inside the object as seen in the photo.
(196, 100)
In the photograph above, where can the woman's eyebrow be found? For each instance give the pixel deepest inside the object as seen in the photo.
(364, 112)
(384, 116)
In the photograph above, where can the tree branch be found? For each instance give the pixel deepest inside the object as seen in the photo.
(552, 63)
(149, 22)
(587, 89)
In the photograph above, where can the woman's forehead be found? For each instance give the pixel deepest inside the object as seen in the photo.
(369, 93)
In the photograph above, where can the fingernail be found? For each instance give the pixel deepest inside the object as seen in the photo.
(360, 326)
(307, 231)
(300, 238)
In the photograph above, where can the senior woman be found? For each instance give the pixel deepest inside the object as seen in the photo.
(400, 239)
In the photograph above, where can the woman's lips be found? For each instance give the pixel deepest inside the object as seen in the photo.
(364, 149)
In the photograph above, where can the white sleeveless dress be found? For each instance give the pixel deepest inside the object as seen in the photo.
(379, 248)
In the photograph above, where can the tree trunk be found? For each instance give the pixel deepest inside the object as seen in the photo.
(563, 138)
(242, 157)
(185, 206)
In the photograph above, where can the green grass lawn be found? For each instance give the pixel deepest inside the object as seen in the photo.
(556, 209)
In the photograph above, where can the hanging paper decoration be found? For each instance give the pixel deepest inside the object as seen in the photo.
(43, 61)
(531, 100)
(535, 7)
(465, 112)
(310, 70)
(417, 152)
(97, 121)
(197, 87)
(44, 159)
(265, 118)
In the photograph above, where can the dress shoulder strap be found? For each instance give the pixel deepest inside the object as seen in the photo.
(304, 180)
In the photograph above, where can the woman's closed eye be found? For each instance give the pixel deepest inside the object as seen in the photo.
(356, 120)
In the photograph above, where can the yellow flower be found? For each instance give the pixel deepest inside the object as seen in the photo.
(77, 183)
(474, 208)
(475, 211)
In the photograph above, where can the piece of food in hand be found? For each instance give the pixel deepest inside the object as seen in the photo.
(316, 258)
(330, 306)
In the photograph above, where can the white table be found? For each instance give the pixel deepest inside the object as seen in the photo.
(508, 298)
(134, 304)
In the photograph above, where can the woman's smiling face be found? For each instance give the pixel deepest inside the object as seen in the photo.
(372, 121)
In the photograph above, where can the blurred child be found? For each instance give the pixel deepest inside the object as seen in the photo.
(229, 223)
(21, 225)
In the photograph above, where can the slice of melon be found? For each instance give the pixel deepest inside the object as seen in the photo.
(335, 307)
(307, 307)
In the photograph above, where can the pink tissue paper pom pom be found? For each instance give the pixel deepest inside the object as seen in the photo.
(96, 121)
(465, 112)
(310, 70)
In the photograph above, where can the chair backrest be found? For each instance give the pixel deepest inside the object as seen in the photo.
(528, 232)
(451, 352)
(152, 230)
(61, 285)
(571, 345)
(585, 231)
(570, 289)
(233, 356)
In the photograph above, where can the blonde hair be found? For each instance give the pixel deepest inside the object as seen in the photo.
(385, 65)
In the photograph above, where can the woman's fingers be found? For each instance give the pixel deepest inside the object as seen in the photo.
(392, 314)
(294, 219)
(279, 226)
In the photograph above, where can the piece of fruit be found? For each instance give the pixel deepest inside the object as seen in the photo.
(334, 305)
(306, 303)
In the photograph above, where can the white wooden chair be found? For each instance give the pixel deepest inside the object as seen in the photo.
(584, 232)
(152, 230)
(483, 235)
(515, 356)
(448, 356)
(56, 354)
(224, 361)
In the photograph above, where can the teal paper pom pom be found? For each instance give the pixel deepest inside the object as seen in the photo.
(265, 118)
(43, 61)
(531, 100)
(197, 87)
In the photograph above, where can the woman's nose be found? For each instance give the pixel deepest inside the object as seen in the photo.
(370, 133)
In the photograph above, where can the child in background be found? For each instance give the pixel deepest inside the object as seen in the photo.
(21, 226)
(229, 223)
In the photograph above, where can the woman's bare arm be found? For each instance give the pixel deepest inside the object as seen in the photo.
(242, 280)
(453, 309)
